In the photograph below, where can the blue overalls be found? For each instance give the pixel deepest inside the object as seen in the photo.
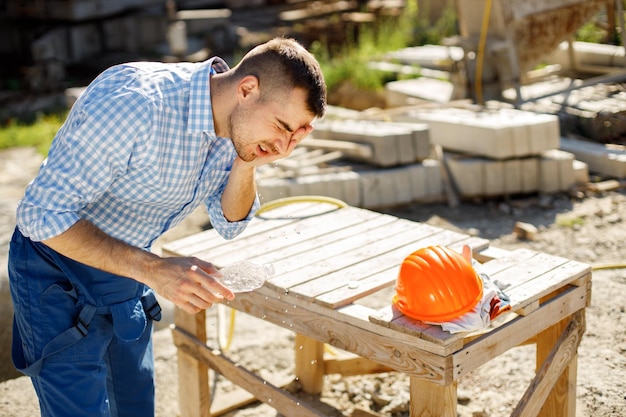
(84, 336)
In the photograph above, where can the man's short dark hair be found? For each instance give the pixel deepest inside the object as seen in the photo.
(282, 64)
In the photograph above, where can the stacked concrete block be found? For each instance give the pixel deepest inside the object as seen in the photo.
(392, 143)
(556, 171)
(497, 134)
(476, 177)
(499, 151)
(400, 185)
(609, 160)
(426, 181)
(365, 186)
(345, 186)
(581, 172)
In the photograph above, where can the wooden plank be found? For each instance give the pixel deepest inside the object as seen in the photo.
(225, 402)
(393, 318)
(294, 256)
(282, 215)
(282, 236)
(193, 376)
(360, 316)
(374, 263)
(517, 331)
(428, 332)
(549, 282)
(280, 399)
(211, 239)
(382, 347)
(490, 253)
(561, 356)
(317, 10)
(509, 260)
(428, 399)
(337, 292)
(311, 160)
(383, 253)
(380, 253)
(354, 365)
(346, 147)
(357, 289)
(309, 366)
(376, 243)
(524, 272)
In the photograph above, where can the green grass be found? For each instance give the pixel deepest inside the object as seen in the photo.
(350, 61)
(38, 133)
(569, 221)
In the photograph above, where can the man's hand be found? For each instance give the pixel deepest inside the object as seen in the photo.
(190, 283)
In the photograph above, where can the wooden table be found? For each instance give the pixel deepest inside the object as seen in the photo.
(327, 260)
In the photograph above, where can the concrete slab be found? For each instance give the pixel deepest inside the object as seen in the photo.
(392, 143)
(366, 186)
(416, 90)
(609, 160)
(556, 171)
(498, 134)
(479, 177)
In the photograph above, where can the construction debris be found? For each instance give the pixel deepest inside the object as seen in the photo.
(525, 231)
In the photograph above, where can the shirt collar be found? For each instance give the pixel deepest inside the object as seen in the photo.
(200, 118)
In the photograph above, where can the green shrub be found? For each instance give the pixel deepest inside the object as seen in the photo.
(38, 133)
(351, 60)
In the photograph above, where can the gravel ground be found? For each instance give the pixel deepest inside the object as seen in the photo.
(589, 228)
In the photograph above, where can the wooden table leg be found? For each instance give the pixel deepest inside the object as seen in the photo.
(562, 399)
(309, 367)
(428, 399)
(193, 376)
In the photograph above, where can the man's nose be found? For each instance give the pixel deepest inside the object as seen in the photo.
(281, 144)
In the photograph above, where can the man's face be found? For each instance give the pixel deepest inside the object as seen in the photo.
(269, 130)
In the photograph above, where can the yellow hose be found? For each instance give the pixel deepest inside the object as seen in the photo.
(225, 344)
(608, 266)
(480, 57)
(270, 205)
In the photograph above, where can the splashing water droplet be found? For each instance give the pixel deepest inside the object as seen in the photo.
(245, 276)
(353, 285)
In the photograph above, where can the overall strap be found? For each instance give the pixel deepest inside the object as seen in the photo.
(60, 342)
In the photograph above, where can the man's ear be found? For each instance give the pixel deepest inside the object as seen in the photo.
(248, 85)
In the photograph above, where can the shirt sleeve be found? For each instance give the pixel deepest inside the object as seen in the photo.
(228, 229)
(92, 148)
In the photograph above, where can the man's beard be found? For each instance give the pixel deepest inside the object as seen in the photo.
(236, 137)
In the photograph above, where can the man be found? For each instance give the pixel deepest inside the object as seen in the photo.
(144, 145)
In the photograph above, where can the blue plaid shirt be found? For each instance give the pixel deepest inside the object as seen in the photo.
(137, 153)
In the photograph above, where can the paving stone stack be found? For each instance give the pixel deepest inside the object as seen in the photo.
(392, 165)
(491, 152)
(486, 153)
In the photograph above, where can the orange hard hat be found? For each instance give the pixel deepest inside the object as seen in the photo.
(436, 284)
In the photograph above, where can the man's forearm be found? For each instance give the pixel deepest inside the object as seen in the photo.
(86, 243)
(240, 192)
(189, 283)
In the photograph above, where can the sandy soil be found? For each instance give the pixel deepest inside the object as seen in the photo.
(589, 229)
